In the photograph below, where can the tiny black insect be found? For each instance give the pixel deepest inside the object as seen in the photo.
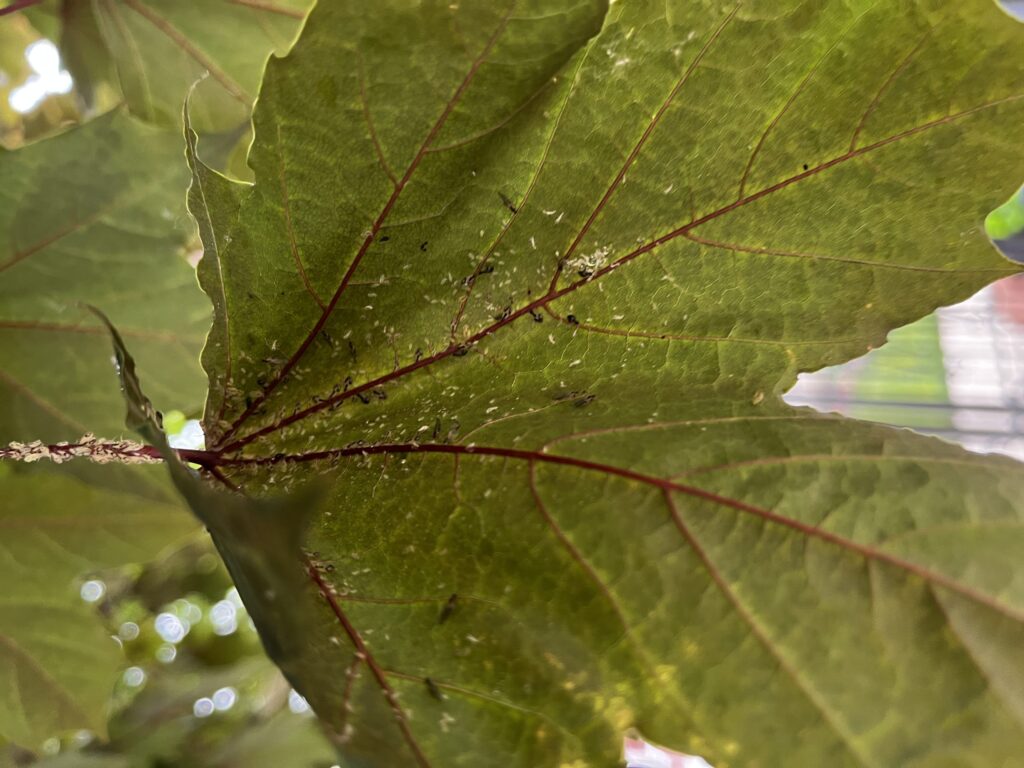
(805, 166)
(571, 319)
(384, 238)
(363, 398)
(508, 203)
(449, 607)
(537, 317)
(433, 689)
(486, 270)
(423, 246)
(460, 351)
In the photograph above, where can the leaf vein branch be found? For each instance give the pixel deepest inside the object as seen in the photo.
(287, 208)
(44, 675)
(631, 158)
(364, 654)
(469, 692)
(261, 5)
(368, 117)
(478, 270)
(689, 337)
(758, 631)
(759, 250)
(789, 103)
(371, 235)
(873, 105)
(186, 45)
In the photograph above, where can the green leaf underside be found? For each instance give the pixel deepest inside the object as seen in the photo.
(159, 49)
(94, 215)
(57, 663)
(522, 286)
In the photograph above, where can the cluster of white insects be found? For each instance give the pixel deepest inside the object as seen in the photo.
(88, 446)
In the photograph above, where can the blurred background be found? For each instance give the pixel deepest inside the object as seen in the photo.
(958, 373)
